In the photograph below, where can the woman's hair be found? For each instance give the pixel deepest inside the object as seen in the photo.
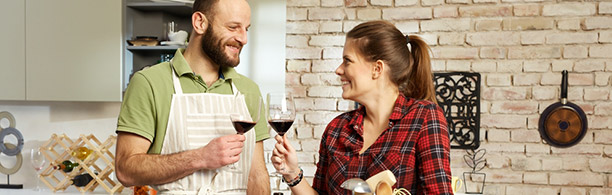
(410, 68)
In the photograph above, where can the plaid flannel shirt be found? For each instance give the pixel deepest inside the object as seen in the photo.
(415, 147)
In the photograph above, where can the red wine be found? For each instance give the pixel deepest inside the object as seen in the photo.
(243, 126)
(281, 126)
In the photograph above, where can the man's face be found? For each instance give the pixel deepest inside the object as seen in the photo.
(226, 32)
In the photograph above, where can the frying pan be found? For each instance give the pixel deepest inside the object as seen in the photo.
(563, 124)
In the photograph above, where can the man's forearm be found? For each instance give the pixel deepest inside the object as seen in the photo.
(152, 169)
(259, 181)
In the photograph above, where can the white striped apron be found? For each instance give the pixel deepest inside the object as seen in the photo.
(195, 119)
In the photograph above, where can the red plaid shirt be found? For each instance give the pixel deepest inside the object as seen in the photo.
(415, 147)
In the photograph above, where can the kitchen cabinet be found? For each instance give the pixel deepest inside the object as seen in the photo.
(12, 50)
(73, 50)
(147, 18)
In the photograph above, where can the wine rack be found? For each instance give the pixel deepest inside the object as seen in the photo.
(99, 164)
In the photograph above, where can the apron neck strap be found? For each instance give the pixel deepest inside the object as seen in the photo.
(177, 83)
(175, 80)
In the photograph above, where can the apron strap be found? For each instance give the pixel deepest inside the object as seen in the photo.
(175, 79)
(234, 89)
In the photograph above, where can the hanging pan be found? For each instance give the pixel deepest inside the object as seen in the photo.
(563, 124)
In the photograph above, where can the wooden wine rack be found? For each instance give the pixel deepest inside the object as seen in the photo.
(99, 164)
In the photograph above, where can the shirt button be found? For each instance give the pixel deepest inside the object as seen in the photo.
(355, 127)
(390, 124)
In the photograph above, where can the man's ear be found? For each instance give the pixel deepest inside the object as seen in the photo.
(377, 69)
(199, 22)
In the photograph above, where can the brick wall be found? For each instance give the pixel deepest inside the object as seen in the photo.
(519, 47)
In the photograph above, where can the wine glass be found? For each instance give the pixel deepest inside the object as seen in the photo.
(244, 119)
(280, 114)
(38, 162)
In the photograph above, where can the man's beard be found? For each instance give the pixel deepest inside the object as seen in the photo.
(213, 48)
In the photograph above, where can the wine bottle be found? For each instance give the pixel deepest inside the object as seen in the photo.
(81, 153)
(81, 180)
(66, 166)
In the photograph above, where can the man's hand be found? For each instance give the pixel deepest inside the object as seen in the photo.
(222, 151)
(134, 166)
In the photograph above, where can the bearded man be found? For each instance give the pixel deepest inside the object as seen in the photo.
(174, 131)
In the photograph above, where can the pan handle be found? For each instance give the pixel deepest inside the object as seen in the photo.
(564, 85)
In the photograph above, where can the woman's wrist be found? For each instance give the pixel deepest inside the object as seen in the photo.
(290, 173)
(293, 178)
(290, 176)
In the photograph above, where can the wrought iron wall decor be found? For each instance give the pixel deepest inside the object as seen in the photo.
(458, 93)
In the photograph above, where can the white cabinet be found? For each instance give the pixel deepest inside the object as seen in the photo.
(12, 50)
(73, 50)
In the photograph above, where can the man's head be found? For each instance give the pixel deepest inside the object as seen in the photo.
(223, 25)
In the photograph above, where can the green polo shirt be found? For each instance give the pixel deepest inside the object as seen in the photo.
(146, 102)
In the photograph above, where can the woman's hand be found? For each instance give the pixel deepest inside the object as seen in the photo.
(284, 158)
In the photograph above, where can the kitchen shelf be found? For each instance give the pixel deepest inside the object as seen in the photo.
(176, 8)
(155, 48)
(149, 18)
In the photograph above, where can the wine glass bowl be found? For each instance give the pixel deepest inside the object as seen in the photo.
(281, 126)
(245, 120)
(280, 112)
(243, 126)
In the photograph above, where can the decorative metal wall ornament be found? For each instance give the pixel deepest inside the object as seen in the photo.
(475, 160)
(458, 93)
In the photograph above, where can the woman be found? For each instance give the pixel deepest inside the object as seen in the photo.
(399, 127)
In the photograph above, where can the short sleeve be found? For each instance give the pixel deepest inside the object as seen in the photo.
(137, 113)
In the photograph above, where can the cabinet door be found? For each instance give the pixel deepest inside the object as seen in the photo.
(73, 50)
(12, 50)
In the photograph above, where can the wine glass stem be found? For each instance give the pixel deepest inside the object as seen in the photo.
(37, 181)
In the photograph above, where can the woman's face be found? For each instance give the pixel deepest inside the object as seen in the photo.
(355, 72)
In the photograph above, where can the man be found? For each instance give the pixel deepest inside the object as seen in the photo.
(174, 131)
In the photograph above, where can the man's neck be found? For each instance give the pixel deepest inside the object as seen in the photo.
(202, 65)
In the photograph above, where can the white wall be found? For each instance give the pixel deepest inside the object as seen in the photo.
(263, 58)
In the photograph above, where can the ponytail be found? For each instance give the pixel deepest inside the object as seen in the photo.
(420, 77)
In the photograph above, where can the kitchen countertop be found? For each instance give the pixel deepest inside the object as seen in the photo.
(48, 191)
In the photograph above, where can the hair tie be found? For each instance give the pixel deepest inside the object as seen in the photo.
(407, 38)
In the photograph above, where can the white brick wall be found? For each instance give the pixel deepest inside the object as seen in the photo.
(518, 46)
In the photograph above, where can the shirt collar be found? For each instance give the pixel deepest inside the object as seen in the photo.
(401, 107)
(181, 67)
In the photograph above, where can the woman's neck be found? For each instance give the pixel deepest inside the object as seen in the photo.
(379, 108)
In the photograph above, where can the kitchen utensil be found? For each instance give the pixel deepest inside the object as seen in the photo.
(179, 36)
(169, 27)
(383, 188)
(563, 124)
(456, 183)
(384, 176)
(356, 185)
